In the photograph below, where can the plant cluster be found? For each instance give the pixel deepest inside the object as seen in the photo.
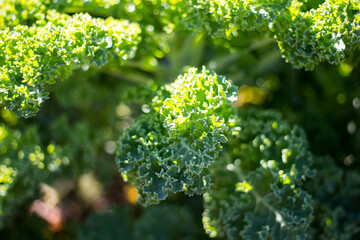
(272, 153)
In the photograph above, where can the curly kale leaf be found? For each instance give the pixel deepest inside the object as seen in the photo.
(172, 147)
(157, 19)
(325, 33)
(307, 32)
(224, 18)
(26, 12)
(33, 57)
(257, 182)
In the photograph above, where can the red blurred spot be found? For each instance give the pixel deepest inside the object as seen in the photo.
(52, 214)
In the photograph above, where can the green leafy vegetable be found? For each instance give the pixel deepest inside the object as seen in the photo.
(307, 32)
(33, 57)
(257, 181)
(172, 147)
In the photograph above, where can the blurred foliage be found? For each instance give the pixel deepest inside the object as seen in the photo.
(337, 214)
(115, 224)
(154, 223)
(71, 142)
(23, 164)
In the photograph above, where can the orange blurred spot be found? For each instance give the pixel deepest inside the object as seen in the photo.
(131, 194)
